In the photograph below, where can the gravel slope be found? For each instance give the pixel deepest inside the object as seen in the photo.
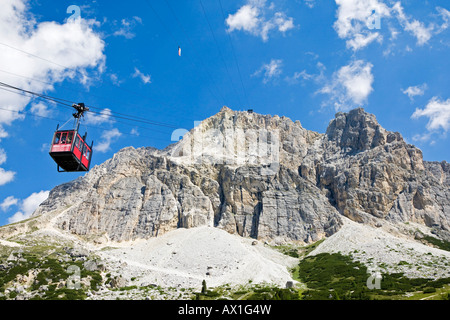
(384, 252)
(186, 257)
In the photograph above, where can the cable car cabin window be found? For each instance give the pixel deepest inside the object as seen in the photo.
(85, 151)
(69, 138)
(86, 154)
(63, 138)
(78, 143)
(57, 138)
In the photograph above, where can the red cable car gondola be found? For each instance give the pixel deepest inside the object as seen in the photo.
(69, 149)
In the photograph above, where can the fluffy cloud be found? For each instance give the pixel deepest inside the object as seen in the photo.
(445, 14)
(145, 78)
(40, 109)
(2, 156)
(5, 176)
(107, 137)
(356, 21)
(252, 18)
(8, 203)
(305, 76)
(414, 91)
(48, 52)
(438, 114)
(103, 116)
(350, 86)
(28, 206)
(417, 28)
(127, 26)
(360, 41)
(310, 3)
(270, 70)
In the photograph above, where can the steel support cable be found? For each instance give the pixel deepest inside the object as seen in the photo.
(135, 120)
(234, 55)
(110, 113)
(31, 96)
(74, 90)
(194, 48)
(60, 65)
(220, 51)
(175, 40)
(35, 56)
(85, 125)
(56, 100)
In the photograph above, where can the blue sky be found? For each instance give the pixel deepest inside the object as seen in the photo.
(304, 59)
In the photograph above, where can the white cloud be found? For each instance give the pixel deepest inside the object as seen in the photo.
(48, 52)
(246, 18)
(103, 116)
(356, 21)
(8, 202)
(360, 41)
(270, 70)
(445, 14)
(422, 138)
(303, 75)
(360, 22)
(282, 22)
(127, 26)
(45, 147)
(40, 109)
(2, 156)
(438, 113)
(350, 86)
(6, 176)
(115, 79)
(414, 91)
(3, 133)
(146, 79)
(107, 137)
(417, 28)
(310, 3)
(252, 18)
(28, 206)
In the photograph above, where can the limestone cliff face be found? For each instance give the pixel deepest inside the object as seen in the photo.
(258, 176)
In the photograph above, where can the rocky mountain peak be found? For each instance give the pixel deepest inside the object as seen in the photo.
(358, 131)
(258, 176)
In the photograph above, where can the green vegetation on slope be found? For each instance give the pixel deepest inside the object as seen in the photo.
(338, 277)
(441, 244)
(50, 277)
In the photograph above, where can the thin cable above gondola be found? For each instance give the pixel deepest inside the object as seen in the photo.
(69, 149)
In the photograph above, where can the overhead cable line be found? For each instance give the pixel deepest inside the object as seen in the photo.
(33, 55)
(176, 41)
(74, 90)
(59, 65)
(85, 125)
(194, 48)
(234, 55)
(129, 124)
(220, 51)
(5, 86)
(102, 112)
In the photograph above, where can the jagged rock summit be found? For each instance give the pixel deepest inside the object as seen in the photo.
(258, 176)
